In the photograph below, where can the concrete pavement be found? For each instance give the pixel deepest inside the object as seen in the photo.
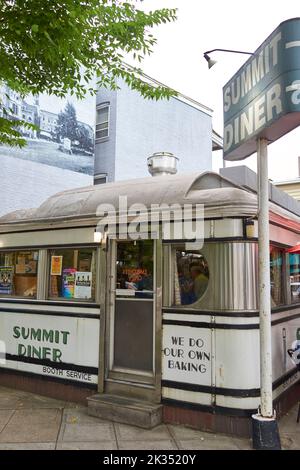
(29, 421)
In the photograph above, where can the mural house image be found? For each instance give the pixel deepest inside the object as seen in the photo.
(59, 151)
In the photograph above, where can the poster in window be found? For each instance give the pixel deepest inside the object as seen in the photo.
(68, 283)
(56, 265)
(83, 285)
(6, 279)
(26, 268)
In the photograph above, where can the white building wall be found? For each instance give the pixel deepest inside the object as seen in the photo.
(27, 184)
(140, 127)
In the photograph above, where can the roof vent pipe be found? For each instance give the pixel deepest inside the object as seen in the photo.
(162, 163)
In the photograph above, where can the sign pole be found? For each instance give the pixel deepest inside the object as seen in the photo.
(266, 406)
(265, 429)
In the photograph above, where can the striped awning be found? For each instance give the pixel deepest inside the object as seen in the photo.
(294, 249)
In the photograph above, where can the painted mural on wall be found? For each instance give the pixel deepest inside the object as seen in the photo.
(59, 154)
(65, 134)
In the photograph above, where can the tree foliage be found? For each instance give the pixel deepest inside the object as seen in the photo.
(67, 123)
(59, 46)
(68, 126)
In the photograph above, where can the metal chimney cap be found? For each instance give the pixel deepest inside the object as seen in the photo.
(162, 163)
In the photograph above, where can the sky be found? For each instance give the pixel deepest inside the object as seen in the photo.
(202, 25)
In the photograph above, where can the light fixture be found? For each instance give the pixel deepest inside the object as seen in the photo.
(249, 228)
(211, 62)
(98, 236)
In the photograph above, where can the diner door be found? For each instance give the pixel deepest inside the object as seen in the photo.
(131, 318)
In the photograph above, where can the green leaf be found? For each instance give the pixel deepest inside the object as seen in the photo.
(77, 39)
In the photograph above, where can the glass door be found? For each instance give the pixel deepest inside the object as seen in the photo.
(132, 314)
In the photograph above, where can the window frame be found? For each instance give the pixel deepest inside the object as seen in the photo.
(286, 300)
(48, 268)
(107, 127)
(168, 276)
(100, 176)
(4, 297)
(289, 289)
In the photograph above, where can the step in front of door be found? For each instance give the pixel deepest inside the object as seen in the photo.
(125, 410)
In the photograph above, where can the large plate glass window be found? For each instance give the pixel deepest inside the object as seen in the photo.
(190, 275)
(72, 274)
(18, 273)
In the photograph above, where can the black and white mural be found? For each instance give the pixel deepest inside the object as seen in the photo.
(58, 155)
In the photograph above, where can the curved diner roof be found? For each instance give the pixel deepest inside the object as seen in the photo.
(220, 196)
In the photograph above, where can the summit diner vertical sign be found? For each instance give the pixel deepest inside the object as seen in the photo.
(263, 98)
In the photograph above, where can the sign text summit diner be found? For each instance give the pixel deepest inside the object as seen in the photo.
(263, 98)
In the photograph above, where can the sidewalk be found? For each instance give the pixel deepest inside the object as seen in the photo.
(29, 421)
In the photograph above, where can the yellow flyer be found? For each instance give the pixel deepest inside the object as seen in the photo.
(56, 265)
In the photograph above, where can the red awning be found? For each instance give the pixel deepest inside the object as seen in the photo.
(294, 249)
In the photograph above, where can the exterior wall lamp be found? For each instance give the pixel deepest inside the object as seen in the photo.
(212, 62)
(100, 237)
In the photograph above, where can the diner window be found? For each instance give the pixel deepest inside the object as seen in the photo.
(72, 274)
(135, 269)
(102, 121)
(277, 276)
(294, 259)
(191, 276)
(18, 273)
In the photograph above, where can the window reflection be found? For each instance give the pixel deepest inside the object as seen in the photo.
(18, 273)
(191, 277)
(135, 268)
(72, 274)
(276, 275)
(295, 277)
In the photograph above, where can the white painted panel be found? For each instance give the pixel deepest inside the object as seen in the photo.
(186, 354)
(228, 228)
(283, 338)
(48, 237)
(187, 396)
(247, 403)
(61, 340)
(237, 359)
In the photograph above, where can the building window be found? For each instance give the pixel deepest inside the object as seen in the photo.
(295, 277)
(277, 276)
(15, 109)
(102, 121)
(18, 273)
(100, 179)
(191, 276)
(72, 274)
